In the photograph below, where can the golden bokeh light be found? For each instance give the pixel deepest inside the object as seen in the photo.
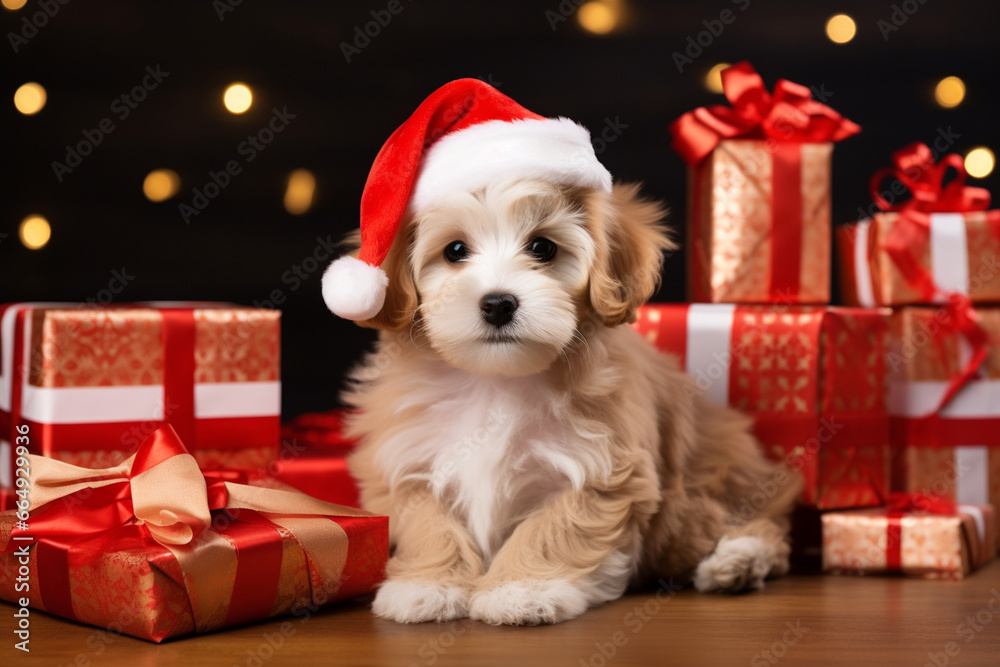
(161, 184)
(300, 191)
(979, 162)
(30, 98)
(13, 4)
(840, 28)
(713, 80)
(949, 92)
(237, 98)
(597, 16)
(35, 232)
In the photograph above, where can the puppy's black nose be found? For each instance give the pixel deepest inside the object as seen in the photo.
(498, 309)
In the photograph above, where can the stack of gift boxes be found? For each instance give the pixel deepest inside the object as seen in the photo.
(142, 478)
(933, 258)
(889, 414)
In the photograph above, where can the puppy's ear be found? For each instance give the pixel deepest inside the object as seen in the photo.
(630, 239)
(401, 299)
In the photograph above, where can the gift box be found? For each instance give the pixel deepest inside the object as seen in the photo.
(966, 247)
(759, 192)
(156, 549)
(944, 401)
(923, 536)
(317, 432)
(313, 457)
(813, 378)
(90, 383)
(941, 240)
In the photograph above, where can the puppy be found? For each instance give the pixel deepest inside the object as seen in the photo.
(534, 454)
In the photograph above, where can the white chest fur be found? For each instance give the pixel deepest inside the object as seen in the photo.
(492, 450)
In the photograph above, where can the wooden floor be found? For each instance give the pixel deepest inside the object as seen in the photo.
(798, 620)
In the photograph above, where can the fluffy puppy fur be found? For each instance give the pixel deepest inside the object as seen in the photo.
(535, 470)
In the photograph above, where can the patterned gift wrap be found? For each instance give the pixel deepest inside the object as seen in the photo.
(759, 192)
(813, 378)
(91, 383)
(942, 542)
(749, 239)
(940, 241)
(158, 549)
(952, 450)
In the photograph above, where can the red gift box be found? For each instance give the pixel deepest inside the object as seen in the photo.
(317, 432)
(813, 378)
(313, 457)
(158, 549)
(941, 240)
(759, 192)
(90, 383)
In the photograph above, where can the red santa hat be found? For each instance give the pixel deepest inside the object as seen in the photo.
(463, 137)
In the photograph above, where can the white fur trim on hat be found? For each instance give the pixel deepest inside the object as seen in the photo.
(551, 149)
(354, 290)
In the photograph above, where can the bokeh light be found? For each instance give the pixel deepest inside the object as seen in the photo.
(30, 98)
(979, 162)
(13, 4)
(713, 80)
(840, 28)
(300, 191)
(35, 232)
(161, 184)
(597, 16)
(949, 92)
(237, 98)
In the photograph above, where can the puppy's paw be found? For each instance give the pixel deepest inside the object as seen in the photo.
(420, 601)
(528, 603)
(737, 564)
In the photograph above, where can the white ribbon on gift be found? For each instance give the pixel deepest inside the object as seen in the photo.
(862, 271)
(949, 253)
(708, 355)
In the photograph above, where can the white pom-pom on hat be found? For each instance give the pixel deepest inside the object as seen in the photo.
(464, 136)
(354, 290)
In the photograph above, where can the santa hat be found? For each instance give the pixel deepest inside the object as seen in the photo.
(463, 137)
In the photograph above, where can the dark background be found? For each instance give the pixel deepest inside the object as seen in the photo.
(240, 247)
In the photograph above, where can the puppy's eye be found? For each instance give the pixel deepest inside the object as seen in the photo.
(456, 251)
(542, 249)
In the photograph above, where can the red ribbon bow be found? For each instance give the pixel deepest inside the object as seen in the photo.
(789, 115)
(914, 167)
(110, 507)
